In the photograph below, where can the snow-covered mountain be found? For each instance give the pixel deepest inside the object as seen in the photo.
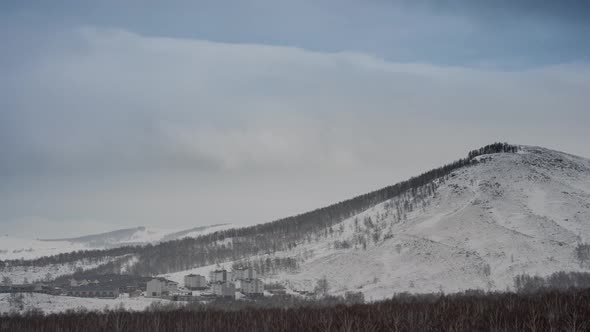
(469, 225)
(139, 235)
(509, 214)
(17, 248)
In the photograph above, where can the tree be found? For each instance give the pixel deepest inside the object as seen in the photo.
(322, 286)
(354, 297)
(6, 281)
(487, 270)
(16, 301)
(582, 253)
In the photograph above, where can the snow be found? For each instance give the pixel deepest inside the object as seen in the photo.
(149, 235)
(209, 230)
(55, 304)
(18, 274)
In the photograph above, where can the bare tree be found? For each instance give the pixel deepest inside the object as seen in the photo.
(6, 281)
(582, 253)
(322, 286)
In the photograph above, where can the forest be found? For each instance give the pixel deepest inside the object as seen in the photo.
(552, 310)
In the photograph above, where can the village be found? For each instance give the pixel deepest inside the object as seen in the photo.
(240, 283)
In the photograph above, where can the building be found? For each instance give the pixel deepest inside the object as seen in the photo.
(277, 291)
(160, 287)
(219, 276)
(195, 281)
(252, 287)
(94, 291)
(135, 293)
(226, 289)
(30, 288)
(21, 288)
(78, 283)
(244, 273)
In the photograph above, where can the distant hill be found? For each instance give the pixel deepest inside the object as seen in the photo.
(137, 236)
(106, 239)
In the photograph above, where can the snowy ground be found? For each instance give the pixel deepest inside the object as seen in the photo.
(53, 304)
(18, 274)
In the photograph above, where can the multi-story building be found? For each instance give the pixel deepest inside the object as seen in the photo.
(252, 287)
(160, 287)
(225, 289)
(195, 281)
(219, 276)
(244, 273)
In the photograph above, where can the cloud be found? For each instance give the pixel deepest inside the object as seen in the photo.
(107, 105)
(123, 101)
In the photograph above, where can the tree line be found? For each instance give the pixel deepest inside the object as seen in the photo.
(525, 283)
(471, 311)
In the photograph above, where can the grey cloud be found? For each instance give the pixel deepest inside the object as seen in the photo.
(123, 128)
(115, 101)
(508, 34)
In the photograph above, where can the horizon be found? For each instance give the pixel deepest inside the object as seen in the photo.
(183, 114)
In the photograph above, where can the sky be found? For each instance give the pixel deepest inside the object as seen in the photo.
(178, 114)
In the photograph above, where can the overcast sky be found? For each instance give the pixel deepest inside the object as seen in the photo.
(175, 114)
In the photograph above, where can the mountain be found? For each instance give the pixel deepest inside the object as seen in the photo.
(478, 222)
(511, 213)
(108, 239)
(138, 236)
(15, 247)
(486, 222)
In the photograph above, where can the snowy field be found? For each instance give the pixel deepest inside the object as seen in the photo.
(54, 304)
(20, 274)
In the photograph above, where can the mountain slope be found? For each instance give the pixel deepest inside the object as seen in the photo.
(508, 214)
